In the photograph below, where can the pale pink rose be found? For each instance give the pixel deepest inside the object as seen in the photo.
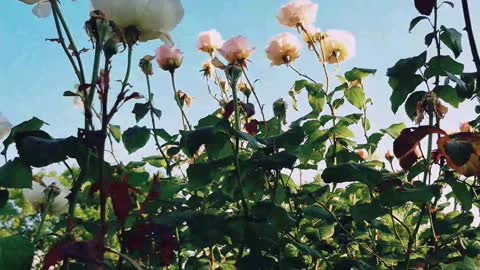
(298, 12)
(169, 58)
(283, 49)
(236, 50)
(209, 41)
(338, 46)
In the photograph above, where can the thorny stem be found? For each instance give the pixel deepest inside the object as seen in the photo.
(185, 121)
(252, 87)
(471, 39)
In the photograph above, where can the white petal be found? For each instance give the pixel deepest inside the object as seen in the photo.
(30, 2)
(5, 127)
(43, 9)
(162, 15)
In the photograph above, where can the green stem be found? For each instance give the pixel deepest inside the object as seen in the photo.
(43, 217)
(186, 123)
(252, 87)
(413, 237)
(429, 151)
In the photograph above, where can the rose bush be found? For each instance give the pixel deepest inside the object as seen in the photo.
(228, 192)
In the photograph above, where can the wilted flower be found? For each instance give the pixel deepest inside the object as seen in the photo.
(280, 110)
(298, 12)
(389, 156)
(48, 189)
(42, 8)
(185, 99)
(430, 104)
(5, 127)
(169, 58)
(465, 127)
(224, 87)
(208, 70)
(362, 154)
(243, 87)
(310, 35)
(209, 41)
(338, 46)
(283, 49)
(154, 19)
(146, 65)
(236, 50)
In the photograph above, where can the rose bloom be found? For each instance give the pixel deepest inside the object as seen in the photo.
(236, 50)
(338, 46)
(209, 41)
(37, 196)
(169, 58)
(298, 12)
(5, 127)
(153, 18)
(42, 8)
(283, 49)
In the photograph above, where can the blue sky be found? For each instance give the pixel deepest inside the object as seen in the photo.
(35, 73)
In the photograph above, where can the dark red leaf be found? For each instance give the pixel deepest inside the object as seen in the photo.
(120, 195)
(405, 146)
(228, 110)
(425, 7)
(87, 252)
(248, 109)
(252, 127)
(142, 237)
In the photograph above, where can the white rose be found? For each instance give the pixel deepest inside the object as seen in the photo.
(37, 197)
(42, 8)
(153, 18)
(5, 127)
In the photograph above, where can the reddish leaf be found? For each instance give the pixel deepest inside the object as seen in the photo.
(462, 152)
(87, 252)
(425, 7)
(246, 108)
(120, 195)
(142, 237)
(405, 147)
(252, 127)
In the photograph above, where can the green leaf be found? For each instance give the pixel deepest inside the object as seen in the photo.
(116, 133)
(452, 39)
(326, 231)
(461, 192)
(421, 194)
(279, 160)
(16, 252)
(70, 94)
(394, 130)
(352, 172)
(447, 94)
(156, 161)
(451, 4)
(359, 74)
(440, 65)
(169, 187)
(407, 66)
(316, 97)
(33, 124)
(411, 103)
(415, 21)
(162, 133)
(464, 263)
(140, 110)
(356, 97)
(135, 138)
(4, 194)
(429, 38)
(368, 211)
(402, 87)
(15, 174)
(157, 113)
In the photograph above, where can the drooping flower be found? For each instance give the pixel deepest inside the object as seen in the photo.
(465, 127)
(185, 100)
(154, 19)
(389, 156)
(298, 12)
(42, 8)
(169, 58)
(209, 41)
(39, 194)
(5, 127)
(310, 35)
(283, 49)
(208, 70)
(338, 46)
(236, 50)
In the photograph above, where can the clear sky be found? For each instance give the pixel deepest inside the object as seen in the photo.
(34, 73)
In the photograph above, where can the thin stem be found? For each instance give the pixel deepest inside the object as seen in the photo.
(43, 217)
(93, 82)
(471, 38)
(179, 104)
(252, 87)
(413, 237)
(437, 38)
(73, 47)
(61, 40)
(429, 151)
(301, 74)
(152, 117)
